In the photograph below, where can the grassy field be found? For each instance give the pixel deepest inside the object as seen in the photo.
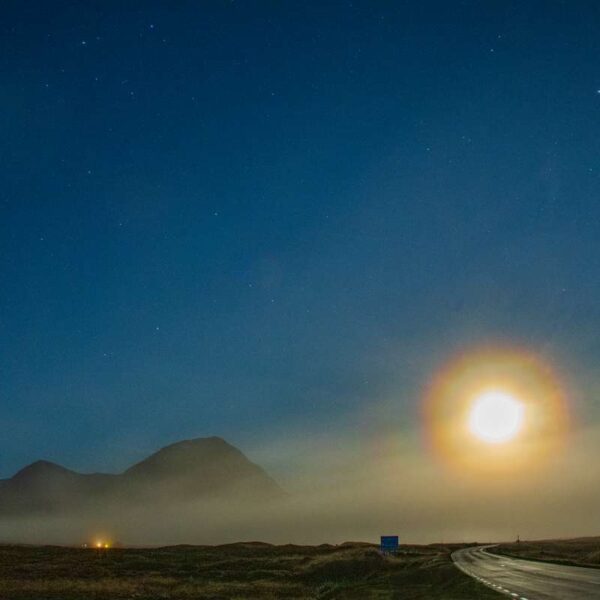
(236, 571)
(584, 552)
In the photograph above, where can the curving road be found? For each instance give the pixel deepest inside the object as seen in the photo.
(528, 580)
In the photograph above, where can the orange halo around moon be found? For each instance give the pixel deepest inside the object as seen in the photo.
(455, 390)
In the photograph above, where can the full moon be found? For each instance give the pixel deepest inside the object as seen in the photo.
(496, 417)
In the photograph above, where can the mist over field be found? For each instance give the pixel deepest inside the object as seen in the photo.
(340, 491)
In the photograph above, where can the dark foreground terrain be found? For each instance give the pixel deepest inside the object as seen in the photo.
(236, 571)
(582, 552)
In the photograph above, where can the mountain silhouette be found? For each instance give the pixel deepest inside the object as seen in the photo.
(198, 469)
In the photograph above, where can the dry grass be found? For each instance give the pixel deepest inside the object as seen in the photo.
(233, 572)
(584, 552)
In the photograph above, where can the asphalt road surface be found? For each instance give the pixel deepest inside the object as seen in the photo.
(528, 580)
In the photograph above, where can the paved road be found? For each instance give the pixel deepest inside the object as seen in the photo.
(529, 580)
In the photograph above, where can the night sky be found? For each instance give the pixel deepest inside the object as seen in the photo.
(250, 218)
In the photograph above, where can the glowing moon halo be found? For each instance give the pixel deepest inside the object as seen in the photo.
(495, 410)
(496, 417)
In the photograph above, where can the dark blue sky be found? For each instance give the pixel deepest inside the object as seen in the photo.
(234, 218)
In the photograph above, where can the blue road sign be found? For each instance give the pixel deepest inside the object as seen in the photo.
(389, 544)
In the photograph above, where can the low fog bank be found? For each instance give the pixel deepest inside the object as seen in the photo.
(354, 493)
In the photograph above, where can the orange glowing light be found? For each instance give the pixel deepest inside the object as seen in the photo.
(494, 410)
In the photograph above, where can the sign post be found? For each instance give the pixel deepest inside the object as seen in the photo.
(389, 544)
